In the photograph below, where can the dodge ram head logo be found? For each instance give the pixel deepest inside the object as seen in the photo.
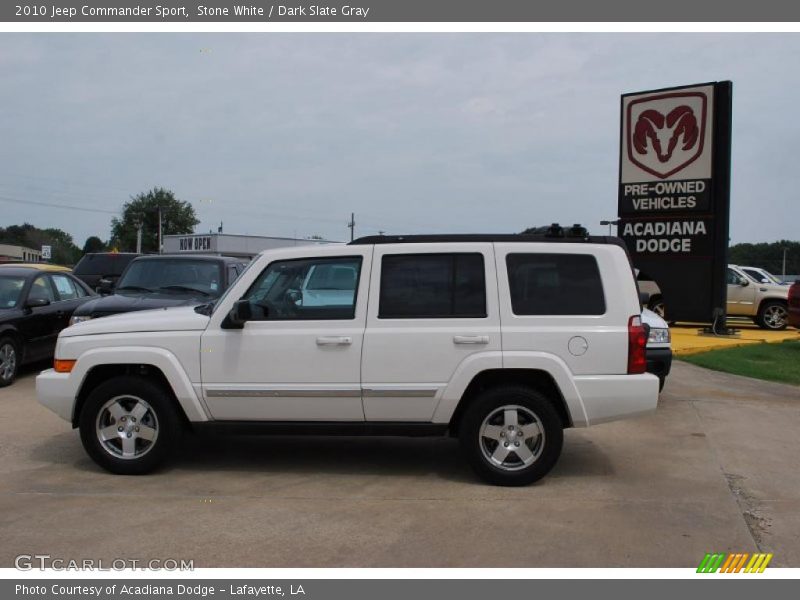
(666, 132)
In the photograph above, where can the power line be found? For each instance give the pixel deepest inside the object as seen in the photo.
(62, 206)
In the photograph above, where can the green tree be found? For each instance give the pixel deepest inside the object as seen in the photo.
(768, 256)
(177, 217)
(64, 250)
(93, 244)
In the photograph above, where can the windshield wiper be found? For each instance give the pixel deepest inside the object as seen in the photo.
(135, 288)
(184, 288)
(205, 309)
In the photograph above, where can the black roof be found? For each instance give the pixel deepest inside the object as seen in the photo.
(485, 237)
(208, 257)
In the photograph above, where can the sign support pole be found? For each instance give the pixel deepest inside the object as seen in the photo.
(723, 116)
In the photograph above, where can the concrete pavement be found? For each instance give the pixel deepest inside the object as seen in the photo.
(713, 470)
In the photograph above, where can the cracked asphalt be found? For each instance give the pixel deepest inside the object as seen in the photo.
(713, 470)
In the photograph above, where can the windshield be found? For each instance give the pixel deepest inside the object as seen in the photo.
(761, 276)
(173, 276)
(10, 290)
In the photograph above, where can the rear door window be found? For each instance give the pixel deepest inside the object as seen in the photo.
(65, 287)
(555, 284)
(428, 286)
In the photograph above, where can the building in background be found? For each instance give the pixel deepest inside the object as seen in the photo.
(224, 244)
(11, 253)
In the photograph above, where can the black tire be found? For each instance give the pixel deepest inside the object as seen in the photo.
(161, 416)
(661, 381)
(10, 357)
(546, 449)
(773, 315)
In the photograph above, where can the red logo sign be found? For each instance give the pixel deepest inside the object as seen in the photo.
(666, 132)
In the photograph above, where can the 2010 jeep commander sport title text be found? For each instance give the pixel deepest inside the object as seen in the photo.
(501, 340)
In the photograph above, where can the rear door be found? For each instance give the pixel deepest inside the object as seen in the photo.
(69, 297)
(431, 307)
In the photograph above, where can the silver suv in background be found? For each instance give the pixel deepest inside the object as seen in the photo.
(767, 304)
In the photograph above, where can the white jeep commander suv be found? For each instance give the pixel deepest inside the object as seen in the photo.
(500, 340)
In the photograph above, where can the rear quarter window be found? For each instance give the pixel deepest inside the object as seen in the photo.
(555, 284)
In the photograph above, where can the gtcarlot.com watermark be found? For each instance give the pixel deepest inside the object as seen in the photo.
(42, 562)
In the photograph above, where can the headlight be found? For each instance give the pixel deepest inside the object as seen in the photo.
(658, 336)
(74, 320)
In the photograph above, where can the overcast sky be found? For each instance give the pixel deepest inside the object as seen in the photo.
(286, 134)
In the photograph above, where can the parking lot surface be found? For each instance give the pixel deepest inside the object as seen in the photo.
(713, 470)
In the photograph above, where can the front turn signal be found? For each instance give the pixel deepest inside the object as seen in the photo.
(63, 366)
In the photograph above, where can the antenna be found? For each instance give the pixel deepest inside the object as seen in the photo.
(352, 226)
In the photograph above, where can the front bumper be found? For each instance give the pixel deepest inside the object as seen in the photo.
(56, 392)
(659, 361)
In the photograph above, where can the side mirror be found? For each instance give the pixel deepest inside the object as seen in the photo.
(105, 287)
(37, 302)
(743, 282)
(241, 313)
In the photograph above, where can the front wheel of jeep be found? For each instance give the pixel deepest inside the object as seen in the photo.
(129, 425)
(511, 435)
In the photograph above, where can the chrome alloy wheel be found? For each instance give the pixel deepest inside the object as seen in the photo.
(511, 438)
(8, 361)
(126, 427)
(775, 316)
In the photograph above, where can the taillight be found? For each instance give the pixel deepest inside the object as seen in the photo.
(637, 346)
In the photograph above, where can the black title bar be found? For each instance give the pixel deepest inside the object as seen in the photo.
(255, 11)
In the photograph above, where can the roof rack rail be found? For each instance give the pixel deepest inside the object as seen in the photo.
(547, 233)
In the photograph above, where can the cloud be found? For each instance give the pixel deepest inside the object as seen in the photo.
(287, 134)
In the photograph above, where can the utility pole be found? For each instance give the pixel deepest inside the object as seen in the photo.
(138, 237)
(352, 226)
(159, 229)
(783, 272)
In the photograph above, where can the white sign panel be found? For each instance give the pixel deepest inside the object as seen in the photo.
(667, 135)
(47, 252)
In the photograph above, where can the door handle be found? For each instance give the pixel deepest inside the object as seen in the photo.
(471, 339)
(334, 340)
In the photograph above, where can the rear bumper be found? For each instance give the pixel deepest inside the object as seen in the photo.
(659, 361)
(55, 391)
(612, 397)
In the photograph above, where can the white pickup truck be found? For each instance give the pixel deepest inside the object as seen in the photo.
(503, 341)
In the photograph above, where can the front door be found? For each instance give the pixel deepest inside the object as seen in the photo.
(299, 356)
(39, 326)
(741, 298)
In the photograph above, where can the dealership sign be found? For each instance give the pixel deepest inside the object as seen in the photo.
(673, 192)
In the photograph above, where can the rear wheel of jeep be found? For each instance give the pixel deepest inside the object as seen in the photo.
(129, 425)
(511, 435)
(773, 314)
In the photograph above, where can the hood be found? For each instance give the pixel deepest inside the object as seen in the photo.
(653, 320)
(776, 289)
(118, 303)
(166, 319)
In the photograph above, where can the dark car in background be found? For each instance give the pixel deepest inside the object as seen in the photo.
(36, 303)
(102, 265)
(162, 281)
